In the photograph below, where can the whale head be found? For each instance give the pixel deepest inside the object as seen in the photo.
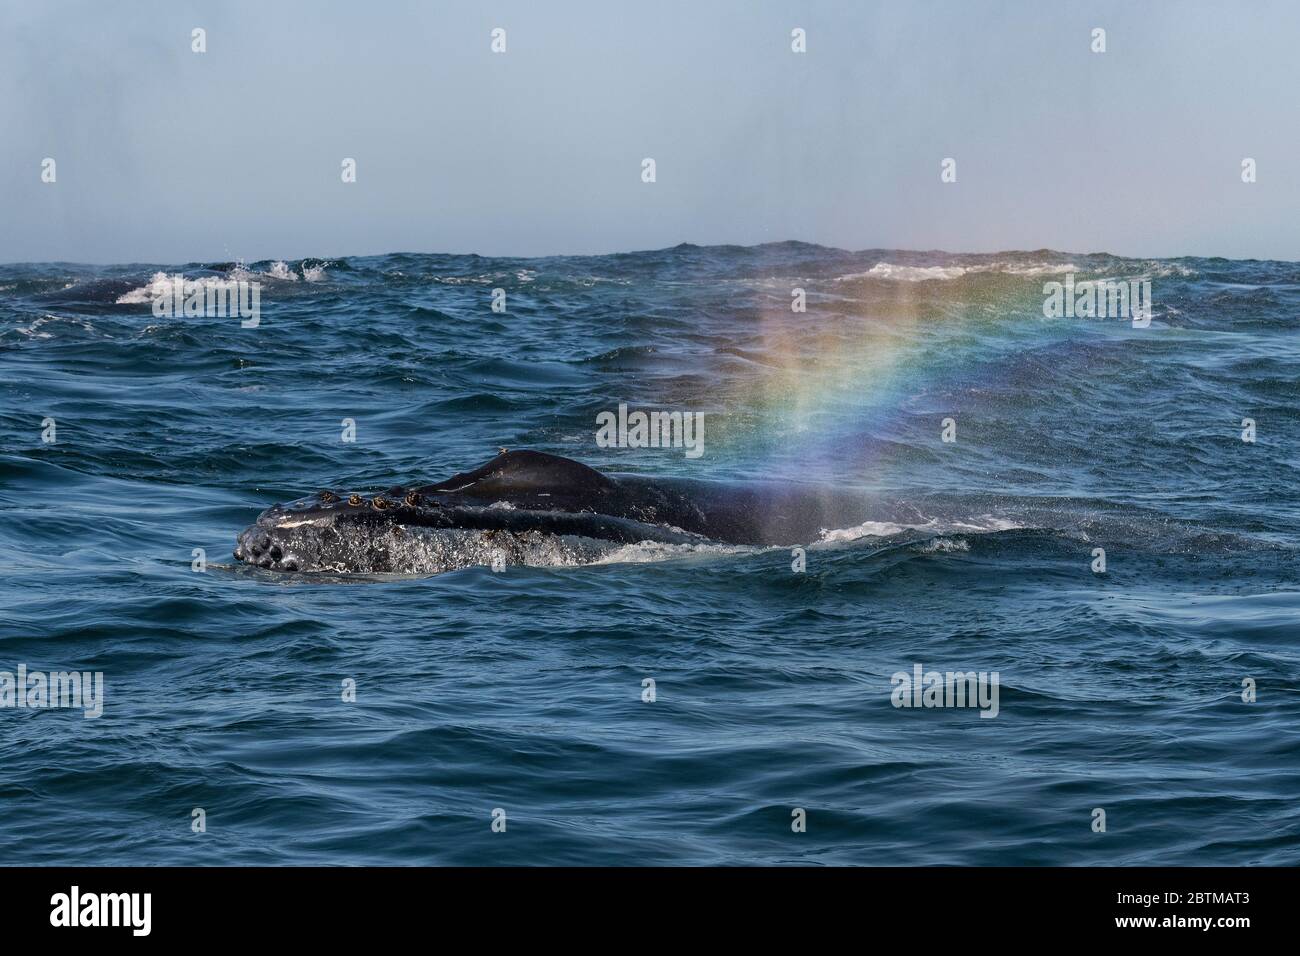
(520, 508)
(396, 533)
(327, 531)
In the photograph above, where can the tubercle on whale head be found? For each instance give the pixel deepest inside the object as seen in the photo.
(397, 497)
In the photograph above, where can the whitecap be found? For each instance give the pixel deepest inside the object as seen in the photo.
(280, 270)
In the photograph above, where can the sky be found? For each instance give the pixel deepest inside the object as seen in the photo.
(165, 156)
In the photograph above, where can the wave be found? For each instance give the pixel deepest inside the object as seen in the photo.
(35, 328)
(884, 529)
(945, 273)
(887, 270)
(645, 552)
(308, 270)
(160, 283)
(1099, 267)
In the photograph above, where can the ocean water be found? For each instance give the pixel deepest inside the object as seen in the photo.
(522, 690)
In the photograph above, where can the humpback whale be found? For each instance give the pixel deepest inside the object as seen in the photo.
(529, 507)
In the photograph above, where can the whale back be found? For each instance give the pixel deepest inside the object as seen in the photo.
(513, 473)
(756, 513)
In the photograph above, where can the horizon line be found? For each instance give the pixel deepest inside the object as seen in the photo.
(633, 252)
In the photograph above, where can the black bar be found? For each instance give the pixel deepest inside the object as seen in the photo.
(334, 905)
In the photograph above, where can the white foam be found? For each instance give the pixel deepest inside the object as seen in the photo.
(868, 529)
(900, 273)
(884, 529)
(161, 284)
(887, 270)
(1030, 268)
(1163, 270)
(945, 544)
(644, 552)
(34, 330)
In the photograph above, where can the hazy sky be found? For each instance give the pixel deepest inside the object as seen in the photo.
(165, 155)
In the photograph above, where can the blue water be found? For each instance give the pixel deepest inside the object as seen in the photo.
(522, 690)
